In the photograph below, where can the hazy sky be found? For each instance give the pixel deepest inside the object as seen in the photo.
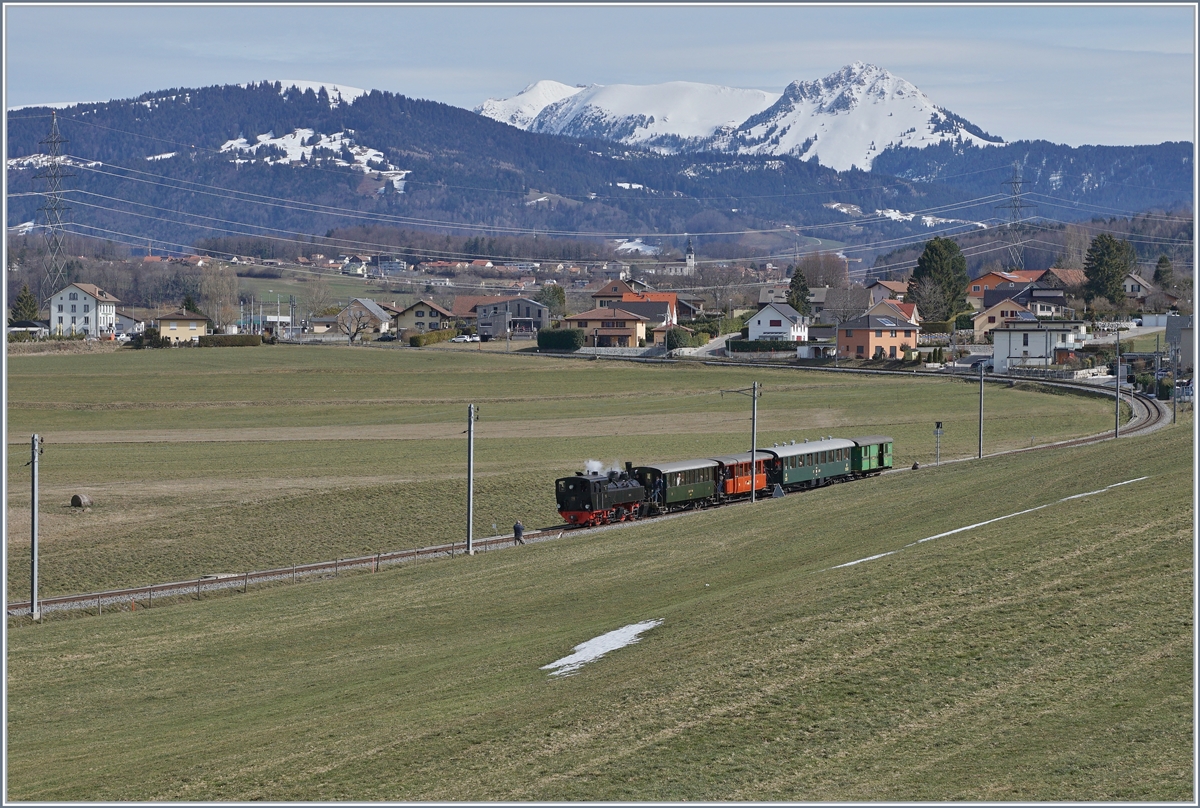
(1070, 74)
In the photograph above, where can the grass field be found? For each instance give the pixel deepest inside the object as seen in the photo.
(220, 461)
(1048, 656)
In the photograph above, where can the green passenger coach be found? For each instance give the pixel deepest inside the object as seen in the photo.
(871, 455)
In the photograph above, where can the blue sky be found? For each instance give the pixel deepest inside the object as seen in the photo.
(1070, 74)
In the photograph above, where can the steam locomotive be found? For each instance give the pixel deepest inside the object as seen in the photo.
(638, 491)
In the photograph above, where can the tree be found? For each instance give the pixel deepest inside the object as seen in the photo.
(930, 300)
(25, 307)
(318, 296)
(1163, 272)
(553, 297)
(824, 269)
(219, 294)
(798, 293)
(354, 321)
(1107, 263)
(943, 263)
(189, 304)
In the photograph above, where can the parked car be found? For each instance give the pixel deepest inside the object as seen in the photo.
(460, 338)
(386, 338)
(474, 338)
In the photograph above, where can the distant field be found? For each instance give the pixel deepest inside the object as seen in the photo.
(224, 460)
(1047, 656)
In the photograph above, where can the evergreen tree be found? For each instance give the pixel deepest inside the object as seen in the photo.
(798, 293)
(1164, 274)
(554, 298)
(943, 263)
(189, 304)
(25, 307)
(1107, 263)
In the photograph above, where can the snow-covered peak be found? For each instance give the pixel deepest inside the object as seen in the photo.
(644, 113)
(522, 108)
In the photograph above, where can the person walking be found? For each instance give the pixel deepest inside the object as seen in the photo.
(518, 533)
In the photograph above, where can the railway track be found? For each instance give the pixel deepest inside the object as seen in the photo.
(1147, 416)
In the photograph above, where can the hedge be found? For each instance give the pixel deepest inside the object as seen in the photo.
(937, 327)
(761, 345)
(432, 337)
(229, 340)
(561, 339)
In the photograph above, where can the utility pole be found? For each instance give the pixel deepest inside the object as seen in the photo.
(754, 394)
(33, 577)
(1117, 389)
(472, 417)
(981, 410)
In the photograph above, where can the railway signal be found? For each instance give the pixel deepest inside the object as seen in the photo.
(937, 433)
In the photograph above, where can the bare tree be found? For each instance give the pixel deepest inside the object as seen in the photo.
(824, 269)
(930, 299)
(318, 296)
(218, 294)
(354, 321)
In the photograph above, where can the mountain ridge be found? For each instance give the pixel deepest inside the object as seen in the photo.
(842, 120)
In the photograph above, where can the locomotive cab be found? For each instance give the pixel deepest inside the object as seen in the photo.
(593, 499)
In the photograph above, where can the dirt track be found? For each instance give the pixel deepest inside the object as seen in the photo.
(552, 428)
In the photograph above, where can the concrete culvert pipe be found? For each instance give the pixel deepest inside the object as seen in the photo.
(81, 501)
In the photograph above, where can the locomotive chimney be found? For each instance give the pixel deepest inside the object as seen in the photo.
(629, 467)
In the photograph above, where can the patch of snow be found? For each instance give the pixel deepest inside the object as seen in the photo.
(629, 186)
(22, 228)
(535, 201)
(638, 246)
(166, 156)
(301, 143)
(338, 93)
(597, 647)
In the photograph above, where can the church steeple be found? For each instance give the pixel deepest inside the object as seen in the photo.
(690, 257)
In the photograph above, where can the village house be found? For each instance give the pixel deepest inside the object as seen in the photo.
(896, 308)
(1019, 343)
(363, 316)
(1040, 299)
(875, 337)
(522, 317)
(885, 290)
(991, 318)
(610, 327)
(126, 322)
(424, 315)
(778, 321)
(82, 308)
(182, 326)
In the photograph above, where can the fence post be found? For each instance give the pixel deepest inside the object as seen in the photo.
(151, 597)
(335, 566)
(197, 589)
(99, 606)
(245, 583)
(293, 572)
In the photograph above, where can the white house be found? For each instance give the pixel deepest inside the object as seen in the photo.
(1037, 342)
(778, 321)
(127, 323)
(83, 308)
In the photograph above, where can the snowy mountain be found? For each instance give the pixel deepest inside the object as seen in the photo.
(842, 120)
(522, 108)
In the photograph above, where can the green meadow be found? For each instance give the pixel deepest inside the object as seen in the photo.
(1044, 656)
(204, 461)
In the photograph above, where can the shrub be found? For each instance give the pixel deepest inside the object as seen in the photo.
(760, 345)
(561, 339)
(229, 340)
(150, 338)
(432, 337)
(937, 327)
(965, 321)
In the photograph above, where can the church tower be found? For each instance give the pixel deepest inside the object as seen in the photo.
(690, 257)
